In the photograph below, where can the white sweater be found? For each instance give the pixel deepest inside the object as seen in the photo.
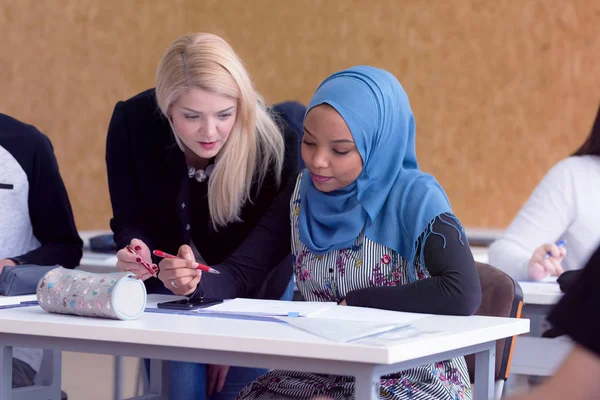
(564, 205)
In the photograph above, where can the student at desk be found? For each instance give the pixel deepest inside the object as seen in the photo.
(198, 160)
(563, 206)
(576, 314)
(36, 220)
(367, 228)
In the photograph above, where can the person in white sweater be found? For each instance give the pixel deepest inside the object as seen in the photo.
(564, 206)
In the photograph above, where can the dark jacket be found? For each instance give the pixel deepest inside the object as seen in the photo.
(35, 212)
(150, 191)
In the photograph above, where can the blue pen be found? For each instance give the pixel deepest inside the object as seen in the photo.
(559, 244)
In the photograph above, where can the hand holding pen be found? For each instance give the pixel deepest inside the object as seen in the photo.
(180, 273)
(546, 260)
(135, 258)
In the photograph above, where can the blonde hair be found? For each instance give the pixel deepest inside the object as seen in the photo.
(255, 144)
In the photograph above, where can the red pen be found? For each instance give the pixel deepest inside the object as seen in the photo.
(199, 266)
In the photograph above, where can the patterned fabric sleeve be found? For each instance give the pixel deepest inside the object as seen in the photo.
(453, 286)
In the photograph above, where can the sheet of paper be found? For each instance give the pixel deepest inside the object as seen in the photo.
(341, 330)
(397, 336)
(277, 308)
(368, 314)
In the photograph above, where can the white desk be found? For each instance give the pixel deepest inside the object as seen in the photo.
(482, 236)
(534, 355)
(480, 254)
(47, 380)
(261, 344)
(540, 294)
(96, 262)
(484, 233)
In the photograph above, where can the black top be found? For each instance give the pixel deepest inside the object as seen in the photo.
(576, 313)
(453, 287)
(154, 200)
(32, 192)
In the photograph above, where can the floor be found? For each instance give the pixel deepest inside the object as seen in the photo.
(91, 376)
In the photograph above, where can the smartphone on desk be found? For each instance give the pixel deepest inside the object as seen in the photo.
(193, 303)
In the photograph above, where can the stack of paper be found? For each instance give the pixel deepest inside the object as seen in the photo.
(267, 308)
(323, 319)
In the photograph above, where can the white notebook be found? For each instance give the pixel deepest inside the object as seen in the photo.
(268, 308)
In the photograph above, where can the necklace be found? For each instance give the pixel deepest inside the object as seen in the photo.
(200, 175)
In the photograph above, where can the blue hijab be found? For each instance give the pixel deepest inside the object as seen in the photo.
(393, 201)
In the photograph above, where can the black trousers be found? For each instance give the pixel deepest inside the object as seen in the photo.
(22, 374)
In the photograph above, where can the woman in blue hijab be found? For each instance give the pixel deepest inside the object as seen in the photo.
(368, 229)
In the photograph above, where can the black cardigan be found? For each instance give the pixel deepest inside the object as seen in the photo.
(150, 192)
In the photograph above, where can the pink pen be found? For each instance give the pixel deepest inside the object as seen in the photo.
(150, 268)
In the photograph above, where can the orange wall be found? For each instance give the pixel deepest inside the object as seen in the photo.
(501, 90)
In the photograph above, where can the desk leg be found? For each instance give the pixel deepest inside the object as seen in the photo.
(485, 365)
(5, 372)
(367, 385)
(118, 378)
(49, 377)
(159, 378)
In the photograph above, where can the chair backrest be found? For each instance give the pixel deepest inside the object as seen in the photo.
(501, 297)
(292, 113)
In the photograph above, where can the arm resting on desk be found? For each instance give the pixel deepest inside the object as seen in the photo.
(453, 287)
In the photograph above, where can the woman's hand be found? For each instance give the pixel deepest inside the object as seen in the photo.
(180, 275)
(540, 265)
(133, 257)
(216, 378)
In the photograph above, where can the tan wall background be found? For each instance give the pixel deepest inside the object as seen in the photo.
(501, 89)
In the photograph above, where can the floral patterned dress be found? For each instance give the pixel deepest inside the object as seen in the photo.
(329, 277)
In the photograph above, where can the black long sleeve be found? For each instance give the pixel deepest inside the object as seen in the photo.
(125, 192)
(254, 260)
(452, 289)
(575, 312)
(50, 211)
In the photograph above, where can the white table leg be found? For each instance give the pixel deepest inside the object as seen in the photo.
(367, 385)
(118, 378)
(159, 378)
(5, 372)
(159, 382)
(485, 367)
(49, 377)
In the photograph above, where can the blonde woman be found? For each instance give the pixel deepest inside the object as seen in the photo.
(198, 161)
